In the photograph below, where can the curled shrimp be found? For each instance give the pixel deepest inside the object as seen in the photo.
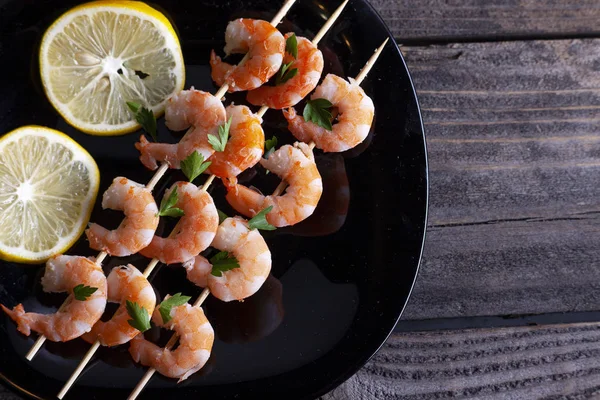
(331, 213)
(125, 283)
(295, 165)
(310, 66)
(196, 337)
(251, 251)
(201, 111)
(138, 226)
(265, 46)
(245, 146)
(355, 115)
(76, 317)
(197, 227)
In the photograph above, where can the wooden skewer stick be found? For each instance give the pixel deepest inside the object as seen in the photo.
(206, 292)
(99, 258)
(154, 262)
(359, 78)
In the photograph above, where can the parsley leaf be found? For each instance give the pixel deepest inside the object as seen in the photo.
(316, 111)
(284, 74)
(260, 221)
(167, 204)
(194, 165)
(174, 301)
(222, 216)
(144, 117)
(219, 143)
(82, 292)
(291, 45)
(140, 319)
(270, 146)
(222, 262)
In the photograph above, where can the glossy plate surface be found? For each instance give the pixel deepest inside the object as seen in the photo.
(340, 279)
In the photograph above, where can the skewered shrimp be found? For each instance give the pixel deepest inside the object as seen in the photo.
(265, 47)
(76, 317)
(355, 115)
(125, 283)
(253, 255)
(138, 226)
(331, 213)
(201, 111)
(245, 146)
(296, 165)
(196, 337)
(310, 66)
(197, 227)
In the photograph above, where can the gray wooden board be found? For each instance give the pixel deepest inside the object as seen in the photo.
(549, 362)
(514, 150)
(427, 20)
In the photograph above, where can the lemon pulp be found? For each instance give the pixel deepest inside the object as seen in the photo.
(48, 186)
(99, 55)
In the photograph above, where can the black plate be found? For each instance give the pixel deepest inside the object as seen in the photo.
(335, 292)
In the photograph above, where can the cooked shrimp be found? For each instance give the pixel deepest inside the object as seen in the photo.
(198, 269)
(75, 317)
(355, 115)
(265, 46)
(197, 227)
(138, 226)
(125, 283)
(331, 213)
(245, 146)
(310, 66)
(296, 165)
(201, 111)
(253, 255)
(196, 337)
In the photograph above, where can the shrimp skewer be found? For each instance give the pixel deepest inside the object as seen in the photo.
(359, 78)
(99, 258)
(157, 176)
(206, 292)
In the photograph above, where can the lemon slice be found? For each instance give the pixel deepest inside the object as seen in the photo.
(48, 186)
(99, 55)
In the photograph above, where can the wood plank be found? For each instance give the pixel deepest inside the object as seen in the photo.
(434, 20)
(549, 362)
(514, 150)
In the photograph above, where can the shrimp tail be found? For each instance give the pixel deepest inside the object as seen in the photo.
(145, 155)
(18, 315)
(220, 71)
(241, 198)
(295, 125)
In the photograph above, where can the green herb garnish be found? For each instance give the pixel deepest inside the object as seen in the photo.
(144, 117)
(140, 319)
(167, 206)
(219, 143)
(82, 292)
(260, 221)
(174, 301)
(222, 216)
(194, 165)
(317, 111)
(222, 262)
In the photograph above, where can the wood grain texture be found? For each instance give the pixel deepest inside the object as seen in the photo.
(513, 133)
(550, 362)
(428, 20)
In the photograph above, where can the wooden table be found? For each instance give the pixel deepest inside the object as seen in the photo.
(506, 300)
